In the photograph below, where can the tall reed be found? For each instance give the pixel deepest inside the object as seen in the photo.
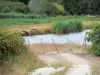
(67, 27)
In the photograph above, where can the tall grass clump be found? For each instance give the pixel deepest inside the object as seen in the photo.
(67, 27)
(11, 46)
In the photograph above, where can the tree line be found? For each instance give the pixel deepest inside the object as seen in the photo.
(73, 7)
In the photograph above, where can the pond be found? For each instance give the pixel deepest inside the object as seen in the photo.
(72, 38)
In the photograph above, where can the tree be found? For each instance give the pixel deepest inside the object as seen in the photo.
(72, 6)
(49, 7)
(79, 7)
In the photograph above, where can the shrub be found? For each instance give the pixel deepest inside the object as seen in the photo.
(95, 49)
(94, 37)
(67, 27)
(6, 6)
(11, 45)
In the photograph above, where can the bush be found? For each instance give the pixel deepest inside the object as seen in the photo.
(6, 6)
(67, 27)
(94, 37)
(11, 45)
(95, 49)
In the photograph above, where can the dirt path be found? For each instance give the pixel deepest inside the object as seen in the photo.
(80, 65)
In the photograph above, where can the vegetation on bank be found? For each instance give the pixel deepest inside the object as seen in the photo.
(94, 36)
(11, 45)
(67, 27)
(46, 25)
(15, 55)
(58, 28)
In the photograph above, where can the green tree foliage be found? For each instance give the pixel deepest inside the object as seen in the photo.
(23, 1)
(74, 7)
(6, 6)
(94, 36)
(49, 7)
(78, 7)
(53, 9)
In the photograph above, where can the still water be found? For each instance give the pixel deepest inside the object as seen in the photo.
(72, 38)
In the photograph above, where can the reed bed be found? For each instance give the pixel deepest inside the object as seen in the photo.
(67, 27)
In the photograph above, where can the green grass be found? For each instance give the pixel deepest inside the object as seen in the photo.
(23, 21)
(14, 15)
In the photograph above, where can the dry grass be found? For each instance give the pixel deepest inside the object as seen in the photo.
(23, 65)
(86, 24)
(95, 70)
(39, 27)
(43, 48)
(44, 27)
(30, 61)
(65, 64)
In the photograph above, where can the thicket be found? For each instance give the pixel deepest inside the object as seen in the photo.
(67, 27)
(94, 37)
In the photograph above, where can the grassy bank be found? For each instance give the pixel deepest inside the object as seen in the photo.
(45, 25)
(15, 56)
